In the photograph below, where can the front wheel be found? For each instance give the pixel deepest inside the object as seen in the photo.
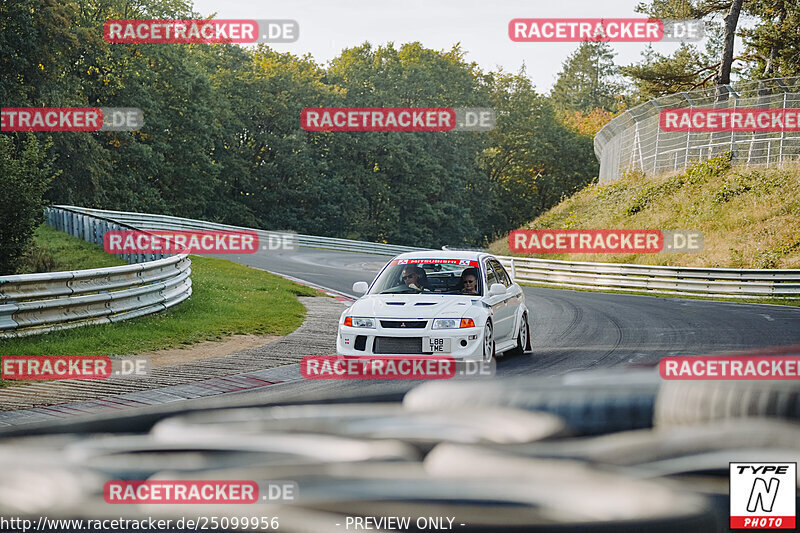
(488, 343)
(522, 337)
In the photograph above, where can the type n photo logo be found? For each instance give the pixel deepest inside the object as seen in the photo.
(763, 495)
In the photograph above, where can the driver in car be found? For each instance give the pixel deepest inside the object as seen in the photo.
(414, 277)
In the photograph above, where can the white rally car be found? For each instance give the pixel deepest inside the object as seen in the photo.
(460, 304)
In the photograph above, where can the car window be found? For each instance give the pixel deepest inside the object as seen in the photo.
(491, 276)
(501, 273)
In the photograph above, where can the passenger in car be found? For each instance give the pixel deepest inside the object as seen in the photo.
(469, 281)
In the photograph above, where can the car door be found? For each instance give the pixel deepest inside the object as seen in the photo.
(514, 295)
(501, 318)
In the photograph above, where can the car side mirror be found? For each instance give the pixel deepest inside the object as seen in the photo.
(497, 289)
(360, 287)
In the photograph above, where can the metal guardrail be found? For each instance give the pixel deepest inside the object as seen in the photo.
(38, 303)
(633, 140)
(688, 281)
(146, 221)
(91, 228)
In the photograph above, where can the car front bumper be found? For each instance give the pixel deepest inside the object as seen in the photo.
(465, 343)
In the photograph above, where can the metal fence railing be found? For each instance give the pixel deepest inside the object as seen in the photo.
(634, 140)
(37, 303)
(151, 222)
(686, 281)
(91, 228)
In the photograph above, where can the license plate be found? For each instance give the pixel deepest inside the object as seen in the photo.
(435, 345)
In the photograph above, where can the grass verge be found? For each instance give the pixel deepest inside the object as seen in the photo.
(55, 251)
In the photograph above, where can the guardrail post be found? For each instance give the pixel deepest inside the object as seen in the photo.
(103, 231)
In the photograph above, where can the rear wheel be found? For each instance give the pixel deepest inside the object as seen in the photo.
(522, 337)
(488, 342)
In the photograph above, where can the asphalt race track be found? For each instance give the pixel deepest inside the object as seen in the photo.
(326, 268)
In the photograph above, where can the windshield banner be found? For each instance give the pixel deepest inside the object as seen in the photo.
(459, 262)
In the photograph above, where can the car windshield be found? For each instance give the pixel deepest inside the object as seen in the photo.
(438, 276)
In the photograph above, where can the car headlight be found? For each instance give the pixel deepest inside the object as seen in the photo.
(359, 322)
(453, 323)
(446, 323)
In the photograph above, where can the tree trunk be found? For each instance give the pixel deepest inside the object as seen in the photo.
(773, 53)
(731, 21)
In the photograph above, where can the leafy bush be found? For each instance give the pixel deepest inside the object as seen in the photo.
(25, 177)
(730, 189)
(701, 171)
(697, 172)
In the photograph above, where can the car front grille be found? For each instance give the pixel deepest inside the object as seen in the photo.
(398, 345)
(418, 324)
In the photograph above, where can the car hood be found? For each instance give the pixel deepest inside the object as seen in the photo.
(412, 306)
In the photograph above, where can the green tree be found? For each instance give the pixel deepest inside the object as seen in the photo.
(413, 187)
(24, 176)
(534, 160)
(587, 79)
(772, 47)
(689, 67)
(36, 37)
(657, 75)
(275, 173)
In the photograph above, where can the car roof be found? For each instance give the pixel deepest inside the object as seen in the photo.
(444, 254)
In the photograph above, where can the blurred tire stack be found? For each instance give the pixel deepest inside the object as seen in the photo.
(592, 451)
